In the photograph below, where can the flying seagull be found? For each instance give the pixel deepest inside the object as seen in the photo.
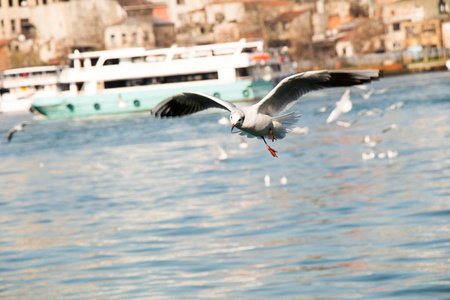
(367, 95)
(16, 128)
(344, 105)
(262, 119)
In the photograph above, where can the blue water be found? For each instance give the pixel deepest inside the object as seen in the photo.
(132, 207)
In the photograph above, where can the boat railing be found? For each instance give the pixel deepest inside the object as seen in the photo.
(142, 55)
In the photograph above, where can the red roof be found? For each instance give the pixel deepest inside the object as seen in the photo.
(289, 16)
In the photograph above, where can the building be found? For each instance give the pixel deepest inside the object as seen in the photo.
(414, 23)
(202, 22)
(27, 38)
(31, 39)
(147, 25)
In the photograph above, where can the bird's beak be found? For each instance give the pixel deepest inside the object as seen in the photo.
(232, 126)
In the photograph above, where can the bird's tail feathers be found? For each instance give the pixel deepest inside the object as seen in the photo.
(285, 123)
(288, 120)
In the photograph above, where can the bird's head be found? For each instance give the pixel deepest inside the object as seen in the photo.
(237, 119)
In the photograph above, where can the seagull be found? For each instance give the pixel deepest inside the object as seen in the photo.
(390, 127)
(223, 155)
(243, 144)
(342, 106)
(263, 118)
(381, 155)
(367, 95)
(371, 141)
(392, 153)
(346, 124)
(371, 112)
(16, 128)
(396, 105)
(368, 155)
(322, 109)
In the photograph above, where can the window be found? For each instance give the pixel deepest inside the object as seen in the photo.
(242, 72)
(13, 26)
(113, 39)
(111, 61)
(161, 80)
(396, 26)
(24, 22)
(124, 38)
(429, 29)
(94, 61)
(11, 3)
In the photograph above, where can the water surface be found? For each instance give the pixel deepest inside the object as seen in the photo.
(132, 207)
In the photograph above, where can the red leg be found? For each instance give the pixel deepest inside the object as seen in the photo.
(271, 150)
(271, 136)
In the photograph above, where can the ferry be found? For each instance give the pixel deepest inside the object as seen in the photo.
(137, 79)
(19, 87)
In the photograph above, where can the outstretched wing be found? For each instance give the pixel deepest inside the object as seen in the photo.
(10, 134)
(188, 103)
(293, 87)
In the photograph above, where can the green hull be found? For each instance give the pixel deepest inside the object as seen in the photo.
(138, 101)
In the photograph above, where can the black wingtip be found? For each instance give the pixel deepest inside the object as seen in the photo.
(354, 77)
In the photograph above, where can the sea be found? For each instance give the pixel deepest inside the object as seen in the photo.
(135, 207)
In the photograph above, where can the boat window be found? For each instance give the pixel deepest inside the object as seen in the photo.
(242, 72)
(64, 86)
(161, 80)
(79, 85)
(249, 50)
(94, 61)
(111, 61)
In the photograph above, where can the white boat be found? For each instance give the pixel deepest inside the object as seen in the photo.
(137, 79)
(447, 64)
(19, 87)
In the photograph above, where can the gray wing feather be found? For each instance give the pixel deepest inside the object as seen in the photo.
(10, 134)
(188, 103)
(293, 87)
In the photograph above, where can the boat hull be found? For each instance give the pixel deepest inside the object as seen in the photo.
(109, 103)
(16, 105)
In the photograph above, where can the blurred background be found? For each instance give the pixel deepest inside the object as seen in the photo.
(390, 34)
